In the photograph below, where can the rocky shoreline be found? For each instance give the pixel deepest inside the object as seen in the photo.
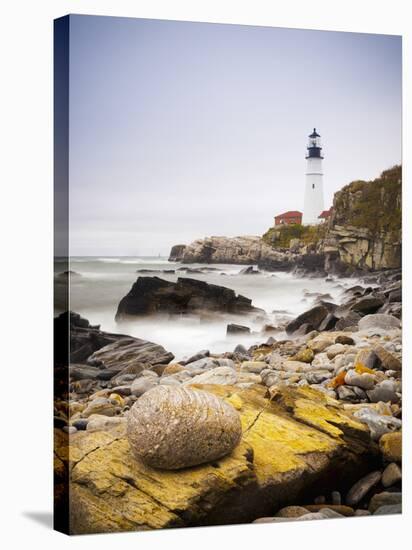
(320, 414)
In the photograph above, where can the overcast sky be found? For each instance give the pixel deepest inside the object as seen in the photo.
(182, 130)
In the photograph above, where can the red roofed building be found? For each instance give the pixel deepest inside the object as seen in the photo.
(293, 216)
(325, 215)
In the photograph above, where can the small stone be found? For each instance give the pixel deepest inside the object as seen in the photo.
(291, 512)
(253, 366)
(172, 369)
(232, 328)
(318, 376)
(388, 509)
(321, 499)
(336, 497)
(384, 499)
(100, 405)
(392, 474)
(341, 509)
(225, 376)
(240, 349)
(387, 359)
(385, 391)
(365, 380)
(362, 487)
(80, 423)
(378, 424)
(304, 356)
(379, 321)
(390, 445)
(199, 355)
(365, 358)
(345, 340)
(346, 393)
(360, 512)
(335, 349)
(98, 422)
(70, 429)
(143, 384)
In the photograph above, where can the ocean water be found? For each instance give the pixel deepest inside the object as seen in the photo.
(100, 283)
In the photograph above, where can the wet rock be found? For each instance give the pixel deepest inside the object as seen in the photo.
(232, 328)
(130, 355)
(387, 359)
(340, 509)
(367, 304)
(150, 295)
(174, 428)
(365, 358)
(142, 385)
(335, 349)
(388, 509)
(362, 487)
(199, 355)
(97, 422)
(291, 512)
(384, 499)
(304, 356)
(253, 366)
(391, 475)
(344, 339)
(220, 375)
(384, 391)
(379, 424)
(100, 405)
(312, 318)
(365, 380)
(379, 321)
(347, 320)
(390, 445)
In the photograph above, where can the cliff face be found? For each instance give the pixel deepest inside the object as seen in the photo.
(365, 230)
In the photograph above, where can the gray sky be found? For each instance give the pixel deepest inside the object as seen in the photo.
(182, 130)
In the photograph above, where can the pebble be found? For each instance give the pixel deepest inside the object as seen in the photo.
(70, 429)
(344, 339)
(224, 376)
(100, 405)
(383, 499)
(362, 487)
(335, 349)
(392, 474)
(365, 380)
(390, 445)
(291, 512)
(143, 384)
(388, 509)
(384, 391)
(378, 424)
(253, 366)
(336, 497)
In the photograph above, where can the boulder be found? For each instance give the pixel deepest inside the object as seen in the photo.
(232, 328)
(130, 356)
(177, 253)
(379, 321)
(174, 428)
(367, 304)
(152, 295)
(313, 318)
(290, 446)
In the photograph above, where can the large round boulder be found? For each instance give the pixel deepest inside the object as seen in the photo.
(172, 427)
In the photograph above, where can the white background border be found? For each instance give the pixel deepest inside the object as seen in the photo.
(26, 269)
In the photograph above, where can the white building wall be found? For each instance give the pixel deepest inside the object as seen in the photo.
(313, 203)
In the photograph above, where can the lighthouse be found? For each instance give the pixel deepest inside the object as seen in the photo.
(313, 205)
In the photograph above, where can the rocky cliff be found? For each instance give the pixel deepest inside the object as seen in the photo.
(365, 229)
(364, 233)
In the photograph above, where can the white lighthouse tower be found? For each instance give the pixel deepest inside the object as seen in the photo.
(313, 205)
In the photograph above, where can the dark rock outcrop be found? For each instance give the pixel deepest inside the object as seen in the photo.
(177, 253)
(151, 295)
(312, 318)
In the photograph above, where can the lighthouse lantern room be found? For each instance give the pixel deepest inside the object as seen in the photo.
(313, 204)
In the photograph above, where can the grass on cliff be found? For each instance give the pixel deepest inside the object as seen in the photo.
(374, 205)
(281, 235)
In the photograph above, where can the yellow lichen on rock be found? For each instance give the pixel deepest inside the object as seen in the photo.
(288, 443)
